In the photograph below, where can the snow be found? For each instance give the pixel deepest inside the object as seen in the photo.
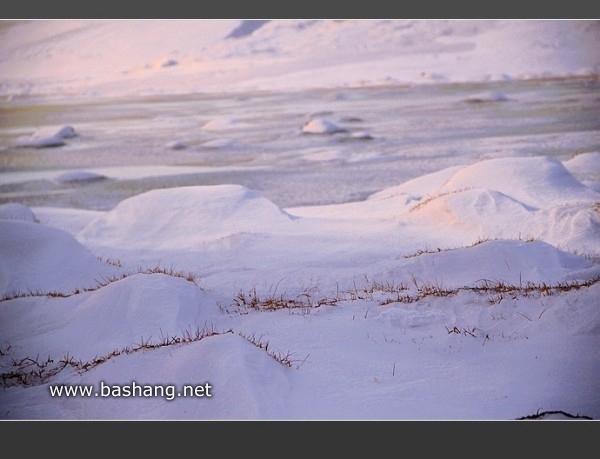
(196, 215)
(72, 58)
(322, 126)
(43, 139)
(219, 143)
(38, 258)
(15, 211)
(79, 176)
(468, 291)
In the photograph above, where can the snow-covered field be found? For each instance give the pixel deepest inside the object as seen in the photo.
(299, 220)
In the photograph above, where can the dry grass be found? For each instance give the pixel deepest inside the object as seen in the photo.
(304, 301)
(188, 276)
(31, 371)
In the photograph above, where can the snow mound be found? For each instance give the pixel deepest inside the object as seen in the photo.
(504, 198)
(183, 217)
(97, 322)
(16, 211)
(79, 177)
(584, 162)
(537, 182)
(66, 132)
(476, 211)
(37, 258)
(322, 126)
(43, 139)
(575, 227)
(244, 383)
(511, 262)
(586, 167)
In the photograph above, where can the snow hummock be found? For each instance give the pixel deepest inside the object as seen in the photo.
(196, 215)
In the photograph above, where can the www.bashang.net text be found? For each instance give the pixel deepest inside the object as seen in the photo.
(168, 392)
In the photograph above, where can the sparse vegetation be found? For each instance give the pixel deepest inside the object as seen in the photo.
(304, 301)
(386, 293)
(110, 261)
(284, 359)
(188, 276)
(30, 371)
